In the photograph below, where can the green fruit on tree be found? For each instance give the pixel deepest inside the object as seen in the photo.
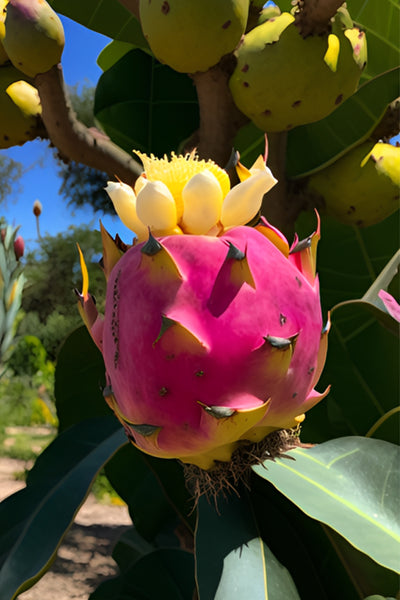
(3, 53)
(19, 108)
(34, 38)
(283, 80)
(191, 36)
(361, 188)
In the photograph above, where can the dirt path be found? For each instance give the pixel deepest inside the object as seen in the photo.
(84, 558)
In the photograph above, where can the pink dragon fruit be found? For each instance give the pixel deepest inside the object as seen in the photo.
(209, 341)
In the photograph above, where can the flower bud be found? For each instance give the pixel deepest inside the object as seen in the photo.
(19, 247)
(37, 208)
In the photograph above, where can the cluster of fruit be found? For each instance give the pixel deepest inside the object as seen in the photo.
(31, 42)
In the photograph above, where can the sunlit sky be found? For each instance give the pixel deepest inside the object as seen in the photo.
(40, 180)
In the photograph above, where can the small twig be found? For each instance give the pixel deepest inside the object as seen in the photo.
(75, 141)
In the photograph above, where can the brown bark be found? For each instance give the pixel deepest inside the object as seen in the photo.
(313, 16)
(132, 6)
(220, 119)
(75, 141)
(280, 210)
(389, 126)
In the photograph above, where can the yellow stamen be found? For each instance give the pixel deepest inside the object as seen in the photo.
(177, 171)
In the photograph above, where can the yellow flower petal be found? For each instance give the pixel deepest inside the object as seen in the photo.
(244, 200)
(155, 206)
(124, 201)
(202, 200)
(176, 172)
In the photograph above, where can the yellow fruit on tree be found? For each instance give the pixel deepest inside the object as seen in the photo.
(192, 35)
(3, 54)
(361, 188)
(34, 37)
(19, 108)
(283, 80)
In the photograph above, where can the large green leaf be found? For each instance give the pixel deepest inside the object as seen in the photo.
(363, 357)
(371, 300)
(350, 484)
(108, 17)
(143, 105)
(80, 374)
(153, 488)
(166, 573)
(34, 520)
(381, 21)
(322, 563)
(237, 563)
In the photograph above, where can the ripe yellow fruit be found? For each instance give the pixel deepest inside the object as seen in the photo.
(3, 54)
(361, 188)
(34, 39)
(283, 80)
(19, 108)
(192, 35)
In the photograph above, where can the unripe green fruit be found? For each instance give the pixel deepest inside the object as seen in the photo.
(361, 188)
(283, 80)
(192, 35)
(34, 38)
(19, 108)
(3, 54)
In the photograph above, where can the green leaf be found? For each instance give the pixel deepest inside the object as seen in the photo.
(322, 563)
(350, 484)
(143, 105)
(238, 563)
(164, 573)
(80, 374)
(316, 145)
(34, 520)
(380, 19)
(363, 357)
(153, 489)
(112, 53)
(372, 302)
(108, 17)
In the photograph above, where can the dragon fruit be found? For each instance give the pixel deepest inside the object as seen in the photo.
(210, 341)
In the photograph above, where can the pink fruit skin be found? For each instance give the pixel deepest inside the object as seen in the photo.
(163, 379)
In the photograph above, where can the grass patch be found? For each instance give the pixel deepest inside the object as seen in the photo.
(24, 443)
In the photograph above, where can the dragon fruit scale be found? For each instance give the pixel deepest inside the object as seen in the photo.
(211, 341)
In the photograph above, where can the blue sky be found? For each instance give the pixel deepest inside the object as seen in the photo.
(40, 180)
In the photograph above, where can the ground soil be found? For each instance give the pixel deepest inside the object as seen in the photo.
(84, 558)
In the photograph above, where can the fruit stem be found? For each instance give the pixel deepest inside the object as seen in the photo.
(220, 119)
(313, 17)
(277, 208)
(75, 141)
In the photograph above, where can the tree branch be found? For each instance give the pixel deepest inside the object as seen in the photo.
(313, 17)
(75, 141)
(389, 126)
(220, 119)
(280, 210)
(132, 6)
